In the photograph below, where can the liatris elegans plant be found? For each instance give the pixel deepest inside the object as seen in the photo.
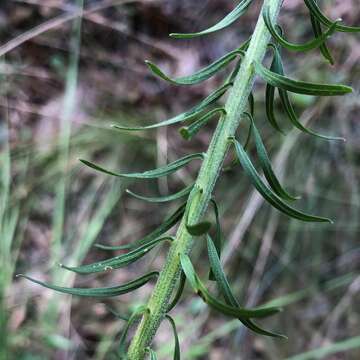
(178, 269)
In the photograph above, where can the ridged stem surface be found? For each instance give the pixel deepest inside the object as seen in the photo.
(235, 105)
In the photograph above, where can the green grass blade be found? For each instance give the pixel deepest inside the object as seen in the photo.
(188, 115)
(99, 292)
(225, 22)
(152, 354)
(150, 174)
(267, 193)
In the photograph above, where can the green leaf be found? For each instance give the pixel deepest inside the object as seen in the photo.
(300, 87)
(151, 174)
(200, 75)
(159, 231)
(225, 22)
(162, 199)
(266, 165)
(122, 343)
(226, 291)
(218, 235)
(119, 261)
(99, 292)
(310, 45)
(267, 193)
(318, 14)
(270, 95)
(188, 132)
(199, 228)
(177, 343)
(232, 311)
(316, 27)
(178, 293)
(152, 354)
(188, 115)
(284, 97)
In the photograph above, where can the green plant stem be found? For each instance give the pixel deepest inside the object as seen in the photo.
(209, 172)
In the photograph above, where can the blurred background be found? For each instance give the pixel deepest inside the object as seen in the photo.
(65, 79)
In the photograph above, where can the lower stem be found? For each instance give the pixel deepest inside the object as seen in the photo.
(208, 174)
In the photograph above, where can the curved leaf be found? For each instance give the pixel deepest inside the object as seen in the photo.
(165, 226)
(152, 354)
(188, 115)
(200, 75)
(225, 22)
(317, 13)
(284, 98)
(300, 87)
(266, 164)
(227, 292)
(162, 199)
(199, 228)
(119, 261)
(150, 174)
(99, 292)
(178, 293)
(177, 343)
(188, 132)
(310, 45)
(316, 27)
(218, 235)
(122, 343)
(267, 193)
(228, 310)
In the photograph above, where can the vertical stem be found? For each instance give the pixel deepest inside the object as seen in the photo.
(209, 172)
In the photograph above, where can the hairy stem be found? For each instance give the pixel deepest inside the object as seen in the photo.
(209, 172)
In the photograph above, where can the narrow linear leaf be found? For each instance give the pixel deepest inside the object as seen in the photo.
(218, 235)
(286, 103)
(267, 193)
(159, 231)
(122, 343)
(162, 199)
(199, 228)
(316, 27)
(200, 75)
(176, 337)
(225, 22)
(226, 291)
(188, 115)
(276, 66)
(178, 293)
(188, 132)
(151, 174)
(300, 87)
(266, 164)
(321, 17)
(119, 261)
(99, 292)
(228, 310)
(310, 45)
(152, 354)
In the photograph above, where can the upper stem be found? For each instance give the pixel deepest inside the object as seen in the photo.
(208, 174)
